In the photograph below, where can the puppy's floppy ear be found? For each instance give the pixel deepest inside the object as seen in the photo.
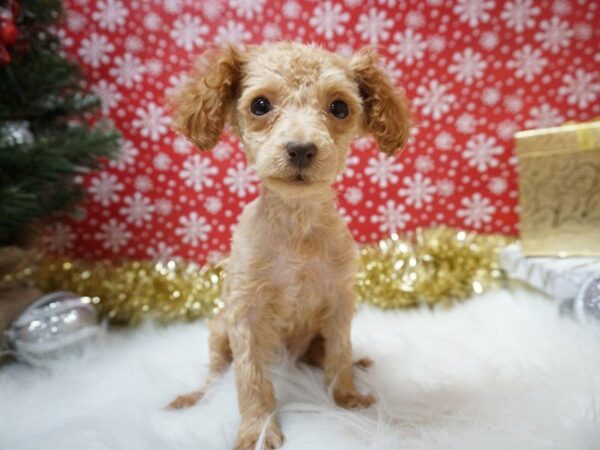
(386, 111)
(200, 106)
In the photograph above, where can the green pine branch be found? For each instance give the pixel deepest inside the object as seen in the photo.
(41, 96)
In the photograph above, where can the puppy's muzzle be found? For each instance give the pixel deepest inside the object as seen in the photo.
(301, 154)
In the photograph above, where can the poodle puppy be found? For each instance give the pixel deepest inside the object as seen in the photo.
(291, 272)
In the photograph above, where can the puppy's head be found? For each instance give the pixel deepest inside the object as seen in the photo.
(296, 108)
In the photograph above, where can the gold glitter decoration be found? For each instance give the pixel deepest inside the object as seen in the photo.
(436, 267)
(125, 293)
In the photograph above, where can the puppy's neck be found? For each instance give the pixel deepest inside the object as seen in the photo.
(299, 215)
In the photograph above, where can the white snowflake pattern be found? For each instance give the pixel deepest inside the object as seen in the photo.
(173, 6)
(513, 103)
(75, 21)
(351, 162)
(353, 195)
(414, 19)
(272, 32)
(434, 99)
(212, 8)
(134, 44)
(418, 190)
(95, 50)
(127, 70)
(154, 67)
(519, 14)
(436, 44)
(423, 163)
(151, 121)
(582, 31)
(481, 152)
(233, 33)
(110, 14)
(581, 89)
(162, 161)
(108, 93)
(105, 188)
(561, 7)
(241, 180)
(474, 11)
(127, 155)
(497, 185)
(137, 209)
(247, 8)
(187, 32)
(490, 96)
(392, 217)
(193, 230)
(60, 238)
(444, 187)
(374, 25)
(182, 145)
(143, 183)
(162, 252)
(291, 9)
(382, 170)
(163, 206)
(113, 234)
(222, 151)
(554, 35)
(544, 116)
(476, 210)
(507, 129)
(213, 205)
(528, 62)
(152, 21)
(444, 141)
(408, 46)
(197, 172)
(489, 40)
(466, 123)
(328, 19)
(468, 65)
(363, 143)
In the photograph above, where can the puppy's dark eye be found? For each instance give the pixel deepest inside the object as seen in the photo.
(260, 106)
(339, 109)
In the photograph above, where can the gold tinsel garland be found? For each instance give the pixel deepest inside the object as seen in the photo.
(438, 266)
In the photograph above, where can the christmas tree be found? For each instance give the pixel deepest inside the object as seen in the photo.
(46, 136)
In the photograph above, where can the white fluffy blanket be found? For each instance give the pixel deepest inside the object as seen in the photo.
(502, 371)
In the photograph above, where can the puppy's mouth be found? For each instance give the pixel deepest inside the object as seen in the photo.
(296, 180)
(300, 179)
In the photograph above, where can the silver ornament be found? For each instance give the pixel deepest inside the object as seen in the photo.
(50, 325)
(587, 302)
(15, 133)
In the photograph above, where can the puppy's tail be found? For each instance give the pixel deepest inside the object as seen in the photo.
(186, 400)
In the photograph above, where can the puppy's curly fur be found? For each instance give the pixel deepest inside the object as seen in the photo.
(290, 275)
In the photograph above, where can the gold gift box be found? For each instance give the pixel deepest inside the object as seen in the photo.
(559, 189)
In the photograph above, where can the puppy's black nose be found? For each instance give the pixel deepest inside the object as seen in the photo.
(301, 153)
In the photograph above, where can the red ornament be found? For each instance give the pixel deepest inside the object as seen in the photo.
(4, 55)
(9, 34)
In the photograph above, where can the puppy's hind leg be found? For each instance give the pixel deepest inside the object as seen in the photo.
(220, 358)
(315, 354)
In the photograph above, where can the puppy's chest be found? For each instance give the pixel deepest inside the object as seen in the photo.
(295, 274)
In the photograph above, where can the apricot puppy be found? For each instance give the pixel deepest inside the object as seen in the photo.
(291, 272)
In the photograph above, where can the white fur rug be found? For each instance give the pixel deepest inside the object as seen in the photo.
(502, 371)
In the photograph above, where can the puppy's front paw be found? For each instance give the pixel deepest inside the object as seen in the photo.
(249, 434)
(185, 400)
(353, 399)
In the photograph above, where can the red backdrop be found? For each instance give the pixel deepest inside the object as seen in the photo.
(475, 71)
